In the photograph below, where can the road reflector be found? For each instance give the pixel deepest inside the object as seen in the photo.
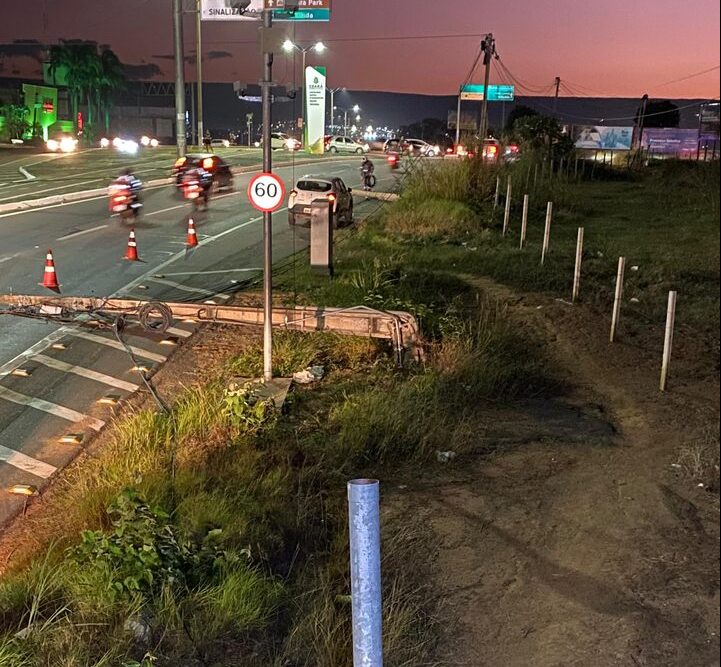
(59, 346)
(72, 438)
(23, 490)
(109, 399)
(22, 372)
(190, 320)
(210, 302)
(170, 340)
(143, 368)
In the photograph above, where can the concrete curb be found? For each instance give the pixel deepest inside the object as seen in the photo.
(71, 197)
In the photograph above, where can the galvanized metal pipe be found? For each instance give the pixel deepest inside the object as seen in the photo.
(365, 552)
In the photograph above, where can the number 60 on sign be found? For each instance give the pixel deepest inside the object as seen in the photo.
(266, 192)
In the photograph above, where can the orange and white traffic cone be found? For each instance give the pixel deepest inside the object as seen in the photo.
(192, 241)
(50, 277)
(132, 252)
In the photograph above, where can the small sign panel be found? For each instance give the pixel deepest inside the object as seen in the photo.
(266, 192)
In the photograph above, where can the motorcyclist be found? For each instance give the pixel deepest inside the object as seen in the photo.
(204, 180)
(367, 171)
(127, 181)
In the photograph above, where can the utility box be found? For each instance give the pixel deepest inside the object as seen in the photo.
(321, 237)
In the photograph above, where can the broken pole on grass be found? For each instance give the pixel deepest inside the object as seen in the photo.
(497, 197)
(365, 571)
(507, 213)
(618, 298)
(575, 169)
(535, 175)
(577, 270)
(668, 339)
(547, 232)
(524, 221)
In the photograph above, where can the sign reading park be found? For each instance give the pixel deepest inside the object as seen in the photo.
(501, 93)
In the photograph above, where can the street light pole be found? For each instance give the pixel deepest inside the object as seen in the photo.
(490, 51)
(302, 83)
(332, 91)
(199, 68)
(179, 77)
(267, 217)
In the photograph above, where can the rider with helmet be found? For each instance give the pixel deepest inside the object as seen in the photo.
(368, 171)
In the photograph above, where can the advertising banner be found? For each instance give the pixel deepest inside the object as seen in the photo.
(501, 93)
(599, 137)
(670, 141)
(235, 10)
(315, 87)
(230, 10)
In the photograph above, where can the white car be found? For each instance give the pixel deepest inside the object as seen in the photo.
(347, 145)
(420, 147)
(282, 141)
(220, 143)
(310, 188)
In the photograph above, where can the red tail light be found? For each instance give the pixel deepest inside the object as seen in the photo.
(492, 150)
(208, 163)
(331, 198)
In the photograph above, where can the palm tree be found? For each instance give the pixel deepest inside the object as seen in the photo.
(80, 61)
(112, 79)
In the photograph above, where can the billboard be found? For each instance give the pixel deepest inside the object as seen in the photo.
(315, 87)
(599, 137)
(501, 93)
(252, 10)
(670, 141)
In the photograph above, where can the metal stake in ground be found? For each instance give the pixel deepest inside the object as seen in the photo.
(547, 232)
(619, 298)
(497, 197)
(365, 568)
(577, 270)
(507, 214)
(524, 221)
(668, 340)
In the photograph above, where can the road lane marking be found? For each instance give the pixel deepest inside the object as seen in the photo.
(213, 273)
(67, 237)
(182, 288)
(7, 259)
(51, 408)
(59, 187)
(27, 174)
(40, 346)
(26, 463)
(109, 342)
(85, 373)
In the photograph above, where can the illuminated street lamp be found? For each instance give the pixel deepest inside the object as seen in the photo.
(318, 48)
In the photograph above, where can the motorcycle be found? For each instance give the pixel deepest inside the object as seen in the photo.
(124, 201)
(195, 193)
(394, 161)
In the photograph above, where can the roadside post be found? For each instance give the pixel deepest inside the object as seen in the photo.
(497, 197)
(365, 567)
(321, 237)
(668, 339)
(618, 298)
(524, 221)
(579, 261)
(547, 232)
(507, 214)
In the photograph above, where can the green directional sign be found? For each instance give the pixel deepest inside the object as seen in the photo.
(302, 15)
(303, 10)
(496, 93)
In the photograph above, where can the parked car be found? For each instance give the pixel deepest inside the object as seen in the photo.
(215, 165)
(347, 145)
(220, 143)
(392, 146)
(310, 188)
(420, 147)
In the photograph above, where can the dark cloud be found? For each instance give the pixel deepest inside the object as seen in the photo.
(217, 55)
(142, 72)
(24, 48)
(190, 60)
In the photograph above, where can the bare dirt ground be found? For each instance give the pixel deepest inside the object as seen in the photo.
(578, 542)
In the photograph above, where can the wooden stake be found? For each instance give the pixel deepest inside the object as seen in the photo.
(579, 260)
(547, 232)
(524, 221)
(535, 175)
(507, 214)
(668, 340)
(619, 298)
(498, 193)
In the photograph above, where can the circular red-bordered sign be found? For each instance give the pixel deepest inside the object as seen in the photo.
(266, 192)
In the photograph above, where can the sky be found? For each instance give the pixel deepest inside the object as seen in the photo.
(603, 48)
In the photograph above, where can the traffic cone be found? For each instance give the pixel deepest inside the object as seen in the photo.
(192, 241)
(50, 278)
(131, 253)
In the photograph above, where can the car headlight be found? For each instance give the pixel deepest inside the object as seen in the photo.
(68, 145)
(104, 143)
(52, 145)
(226, 143)
(154, 143)
(145, 141)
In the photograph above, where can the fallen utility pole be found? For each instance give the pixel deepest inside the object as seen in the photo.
(399, 327)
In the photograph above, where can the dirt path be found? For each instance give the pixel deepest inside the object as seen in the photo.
(580, 545)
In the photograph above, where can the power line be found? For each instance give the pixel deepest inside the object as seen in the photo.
(341, 40)
(686, 78)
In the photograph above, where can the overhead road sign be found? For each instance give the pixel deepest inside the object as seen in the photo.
(496, 93)
(231, 10)
(300, 10)
(252, 10)
(251, 92)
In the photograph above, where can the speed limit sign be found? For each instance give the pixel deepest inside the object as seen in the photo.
(266, 192)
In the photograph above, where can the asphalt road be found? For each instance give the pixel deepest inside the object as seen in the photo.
(51, 378)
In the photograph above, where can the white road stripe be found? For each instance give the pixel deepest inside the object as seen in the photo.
(40, 346)
(27, 174)
(26, 463)
(182, 288)
(213, 273)
(85, 231)
(181, 333)
(51, 408)
(86, 373)
(109, 342)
